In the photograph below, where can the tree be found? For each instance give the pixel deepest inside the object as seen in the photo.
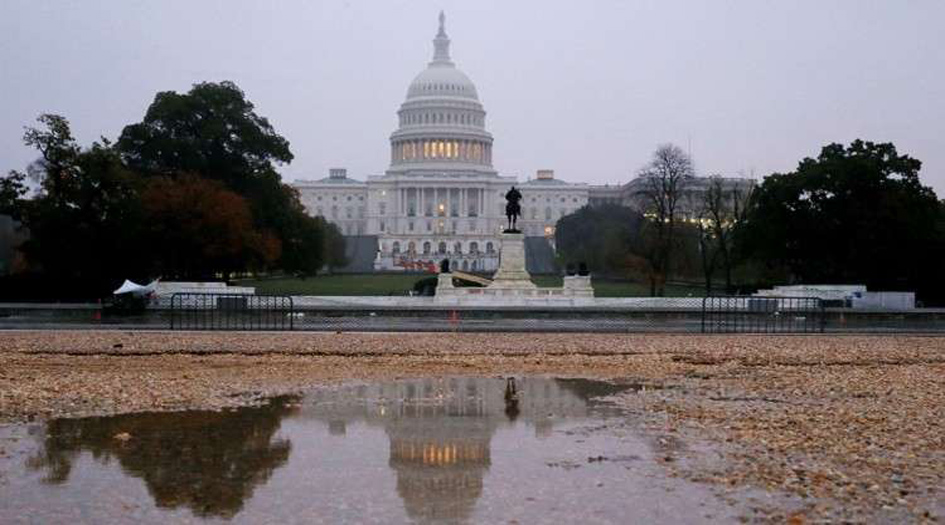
(83, 223)
(212, 130)
(855, 214)
(722, 207)
(665, 179)
(605, 237)
(56, 170)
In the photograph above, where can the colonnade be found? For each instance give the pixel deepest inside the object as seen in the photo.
(433, 201)
(479, 152)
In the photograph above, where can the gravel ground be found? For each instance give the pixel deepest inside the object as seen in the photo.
(853, 424)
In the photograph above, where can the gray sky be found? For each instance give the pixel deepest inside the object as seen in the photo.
(588, 89)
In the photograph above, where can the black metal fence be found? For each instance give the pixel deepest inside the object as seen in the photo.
(209, 311)
(766, 315)
(204, 311)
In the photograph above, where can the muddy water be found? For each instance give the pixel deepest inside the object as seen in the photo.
(432, 450)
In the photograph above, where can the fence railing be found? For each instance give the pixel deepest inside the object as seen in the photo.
(210, 311)
(740, 314)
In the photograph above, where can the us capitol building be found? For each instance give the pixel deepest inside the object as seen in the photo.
(441, 197)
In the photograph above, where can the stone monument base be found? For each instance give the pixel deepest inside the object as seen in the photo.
(512, 285)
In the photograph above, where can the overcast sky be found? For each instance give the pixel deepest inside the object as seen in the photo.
(586, 88)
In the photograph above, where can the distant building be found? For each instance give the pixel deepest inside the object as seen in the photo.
(634, 194)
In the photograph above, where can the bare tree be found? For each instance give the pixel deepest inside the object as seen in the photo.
(665, 178)
(723, 206)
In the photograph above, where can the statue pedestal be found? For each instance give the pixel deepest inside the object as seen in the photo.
(512, 285)
(512, 273)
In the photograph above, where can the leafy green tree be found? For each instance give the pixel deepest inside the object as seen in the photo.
(212, 130)
(856, 214)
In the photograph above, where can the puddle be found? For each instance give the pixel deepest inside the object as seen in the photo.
(430, 450)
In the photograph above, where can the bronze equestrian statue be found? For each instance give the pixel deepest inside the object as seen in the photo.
(512, 209)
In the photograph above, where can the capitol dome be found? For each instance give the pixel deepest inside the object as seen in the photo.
(441, 122)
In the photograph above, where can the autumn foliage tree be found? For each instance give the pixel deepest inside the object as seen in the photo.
(197, 228)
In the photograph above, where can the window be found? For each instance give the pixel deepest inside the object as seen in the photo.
(396, 249)
(334, 212)
(429, 226)
(426, 248)
(474, 247)
(382, 208)
(548, 213)
(381, 226)
(489, 248)
(441, 248)
(410, 226)
(318, 211)
(458, 248)
(349, 213)
(411, 247)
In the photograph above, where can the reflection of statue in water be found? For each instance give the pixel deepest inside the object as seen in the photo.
(207, 461)
(511, 399)
(512, 208)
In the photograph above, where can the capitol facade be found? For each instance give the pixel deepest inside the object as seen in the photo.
(441, 197)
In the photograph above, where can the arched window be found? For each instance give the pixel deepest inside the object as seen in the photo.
(489, 248)
(411, 247)
(474, 247)
(426, 248)
(465, 265)
(396, 248)
(473, 266)
(458, 248)
(441, 248)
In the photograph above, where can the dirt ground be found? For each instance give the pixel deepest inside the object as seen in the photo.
(854, 425)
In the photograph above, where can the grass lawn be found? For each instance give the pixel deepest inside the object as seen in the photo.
(387, 284)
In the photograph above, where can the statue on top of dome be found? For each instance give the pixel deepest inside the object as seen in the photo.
(512, 209)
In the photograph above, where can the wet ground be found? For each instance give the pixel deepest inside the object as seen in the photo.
(460, 449)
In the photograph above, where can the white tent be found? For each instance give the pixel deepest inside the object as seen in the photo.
(135, 288)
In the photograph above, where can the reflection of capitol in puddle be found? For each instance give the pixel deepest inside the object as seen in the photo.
(440, 430)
